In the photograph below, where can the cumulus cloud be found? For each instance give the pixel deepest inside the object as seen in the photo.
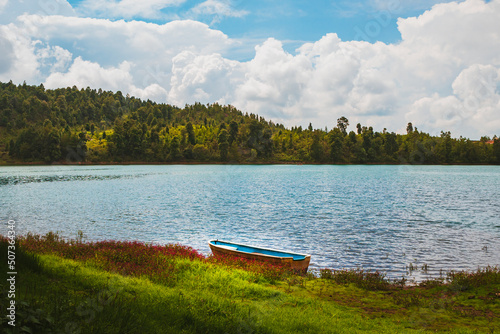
(455, 33)
(150, 47)
(477, 85)
(204, 78)
(433, 77)
(135, 57)
(474, 105)
(84, 73)
(19, 62)
(274, 80)
(153, 92)
(110, 42)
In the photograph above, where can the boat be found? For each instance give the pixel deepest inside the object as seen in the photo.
(297, 262)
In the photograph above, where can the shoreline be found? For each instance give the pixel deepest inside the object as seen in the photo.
(243, 163)
(413, 277)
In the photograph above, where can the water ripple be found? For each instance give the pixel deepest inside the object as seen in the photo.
(16, 179)
(375, 217)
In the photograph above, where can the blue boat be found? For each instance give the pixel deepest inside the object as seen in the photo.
(296, 261)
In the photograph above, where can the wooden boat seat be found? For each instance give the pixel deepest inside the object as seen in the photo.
(227, 247)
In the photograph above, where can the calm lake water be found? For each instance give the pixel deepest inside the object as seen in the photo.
(374, 217)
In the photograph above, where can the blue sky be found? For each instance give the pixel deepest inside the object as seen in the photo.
(292, 22)
(296, 20)
(381, 63)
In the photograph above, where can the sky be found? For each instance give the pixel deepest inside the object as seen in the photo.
(381, 63)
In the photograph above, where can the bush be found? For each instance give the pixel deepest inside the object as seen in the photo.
(360, 278)
(465, 280)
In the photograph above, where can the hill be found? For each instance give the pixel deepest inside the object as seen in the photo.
(71, 125)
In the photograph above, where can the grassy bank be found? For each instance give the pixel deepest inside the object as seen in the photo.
(128, 287)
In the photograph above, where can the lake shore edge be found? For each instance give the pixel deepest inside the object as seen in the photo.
(232, 294)
(235, 163)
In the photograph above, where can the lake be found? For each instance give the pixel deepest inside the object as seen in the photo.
(373, 217)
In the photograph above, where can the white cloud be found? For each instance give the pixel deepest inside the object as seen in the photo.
(443, 75)
(153, 92)
(19, 62)
(54, 58)
(474, 106)
(456, 33)
(421, 79)
(147, 49)
(436, 112)
(218, 9)
(203, 78)
(135, 39)
(477, 85)
(84, 73)
(274, 80)
(150, 47)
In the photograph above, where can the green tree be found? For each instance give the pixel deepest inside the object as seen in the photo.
(175, 152)
(350, 144)
(35, 120)
(255, 133)
(496, 150)
(259, 138)
(409, 128)
(201, 153)
(367, 137)
(443, 148)
(223, 144)
(390, 145)
(336, 138)
(51, 148)
(342, 124)
(267, 143)
(233, 132)
(190, 133)
(316, 149)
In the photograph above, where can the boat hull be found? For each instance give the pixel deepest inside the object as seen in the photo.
(299, 264)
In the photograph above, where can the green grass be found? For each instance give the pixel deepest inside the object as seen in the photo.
(55, 294)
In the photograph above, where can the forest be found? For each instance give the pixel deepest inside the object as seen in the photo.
(71, 125)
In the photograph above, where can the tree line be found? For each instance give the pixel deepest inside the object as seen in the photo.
(88, 125)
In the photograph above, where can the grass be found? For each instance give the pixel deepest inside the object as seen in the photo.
(129, 287)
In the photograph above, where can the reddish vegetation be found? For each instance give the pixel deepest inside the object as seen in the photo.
(138, 259)
(124, 257)
(119, 250)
